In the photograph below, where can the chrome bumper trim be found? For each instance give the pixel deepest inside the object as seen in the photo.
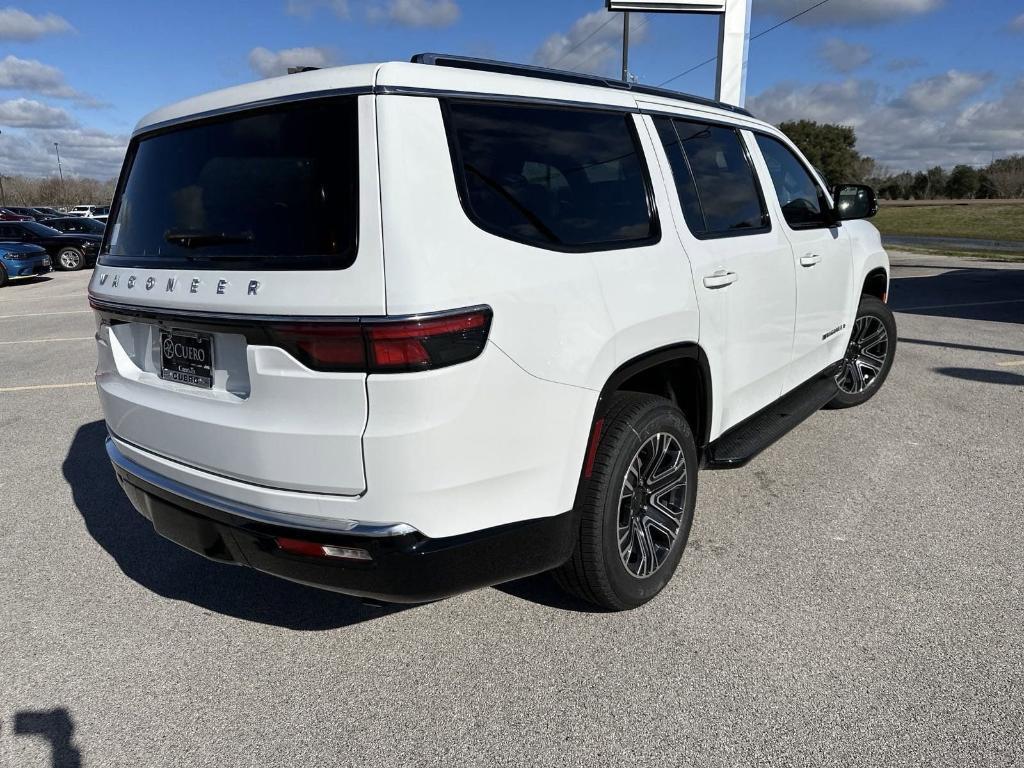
(256, 514)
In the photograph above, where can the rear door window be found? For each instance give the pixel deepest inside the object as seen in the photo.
(714, 178)
(275, 188)
(564, 179)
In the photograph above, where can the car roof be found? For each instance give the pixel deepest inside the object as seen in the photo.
(422, 79)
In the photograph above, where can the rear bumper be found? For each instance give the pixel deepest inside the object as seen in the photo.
(404, 567)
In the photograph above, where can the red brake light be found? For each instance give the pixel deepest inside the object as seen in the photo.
(387, 345)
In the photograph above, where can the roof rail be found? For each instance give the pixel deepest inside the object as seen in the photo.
(564, 76)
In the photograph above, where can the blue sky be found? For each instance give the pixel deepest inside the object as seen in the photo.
(925, 82)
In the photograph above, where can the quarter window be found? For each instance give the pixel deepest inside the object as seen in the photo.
(566, 179)
(714, 178)
(803, 203)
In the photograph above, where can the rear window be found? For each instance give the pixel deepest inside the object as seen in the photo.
(270, 189)
(565, 179)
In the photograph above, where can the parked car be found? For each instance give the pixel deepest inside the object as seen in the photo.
(89, 211)
(587, 293)
(74, 224)
(20, 260)
(48, 211)
(6, 214)
(68, 252)
(31, 213)
(101, 219)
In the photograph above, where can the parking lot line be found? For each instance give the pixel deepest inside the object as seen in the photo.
(49, 386)
(40, 341)
(1011, 363)
(45, 314)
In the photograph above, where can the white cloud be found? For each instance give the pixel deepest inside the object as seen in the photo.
(340, 8)
(847, 12)
(84, 152)
(940, 120)
(1017, 25)
(843, 56)
(35, 77)
(28, 113)
(416, 13)
(592, 44)
(942, 92)
(267, 63)
(16, 24)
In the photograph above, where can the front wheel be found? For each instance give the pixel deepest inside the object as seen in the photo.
(869, 355)
(637, 504)
(70, 259)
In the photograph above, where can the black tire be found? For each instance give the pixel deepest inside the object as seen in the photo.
(856, 385)
(73, 256)
(3, 276)
(597, 571)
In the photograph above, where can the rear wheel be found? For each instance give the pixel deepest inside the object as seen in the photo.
(70, 259)
(637, 504)
(869, 355)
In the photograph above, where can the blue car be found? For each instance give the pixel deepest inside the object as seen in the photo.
(22, 260)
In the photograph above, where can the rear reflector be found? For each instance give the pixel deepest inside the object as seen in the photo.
(387, 345)
(312, 549)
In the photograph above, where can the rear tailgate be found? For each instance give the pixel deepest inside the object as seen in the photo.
(222, 229)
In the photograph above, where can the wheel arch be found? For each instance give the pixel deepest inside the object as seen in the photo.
(876, 283)
(679, 372)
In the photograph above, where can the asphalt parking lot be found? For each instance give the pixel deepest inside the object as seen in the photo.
(854, 597)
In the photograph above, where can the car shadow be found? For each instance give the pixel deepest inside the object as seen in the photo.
(968, 293)
(15, 282)
(57, 727)
(543, 590)
(1007, 378)
(178, 574)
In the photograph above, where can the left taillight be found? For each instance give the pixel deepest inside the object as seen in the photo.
(387, 345)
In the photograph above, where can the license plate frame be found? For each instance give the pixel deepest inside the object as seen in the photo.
(186, 357)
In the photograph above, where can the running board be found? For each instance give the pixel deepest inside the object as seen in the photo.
(744, 441)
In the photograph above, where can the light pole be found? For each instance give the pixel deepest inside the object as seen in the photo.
(3, 195)
(60, 170)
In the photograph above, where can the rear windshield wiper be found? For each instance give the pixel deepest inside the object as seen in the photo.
(195, 238)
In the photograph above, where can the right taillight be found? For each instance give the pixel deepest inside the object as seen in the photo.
(388, 345)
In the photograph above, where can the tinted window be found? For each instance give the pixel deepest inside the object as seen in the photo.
(681, 173)
(273, 189)
(800, 196)
(724, 180)
(556, 178)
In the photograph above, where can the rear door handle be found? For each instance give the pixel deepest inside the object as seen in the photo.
(810, 260)
(720, 279)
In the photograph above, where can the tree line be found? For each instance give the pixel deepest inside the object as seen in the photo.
(833, 151)
(51, 192)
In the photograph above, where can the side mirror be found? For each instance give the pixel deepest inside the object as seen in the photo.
(854, 201)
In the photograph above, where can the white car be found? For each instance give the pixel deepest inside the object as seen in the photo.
(90, 211)
(406, 329)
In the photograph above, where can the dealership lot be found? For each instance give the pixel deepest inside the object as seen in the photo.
(853, 597)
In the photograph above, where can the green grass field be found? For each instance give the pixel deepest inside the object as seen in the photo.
(985, 222)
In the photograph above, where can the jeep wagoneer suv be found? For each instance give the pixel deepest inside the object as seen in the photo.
(407, 329)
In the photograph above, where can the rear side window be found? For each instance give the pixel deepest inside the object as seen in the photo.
(564, 179)
(714, 179)
(270, 189)
(802, 200)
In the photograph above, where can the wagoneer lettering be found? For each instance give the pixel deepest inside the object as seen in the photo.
(512, 316)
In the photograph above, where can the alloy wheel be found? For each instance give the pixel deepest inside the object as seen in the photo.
(865, 356)
(651, 505)
(69, 259)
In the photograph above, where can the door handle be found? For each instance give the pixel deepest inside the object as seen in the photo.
(720, 279)
(810, 260)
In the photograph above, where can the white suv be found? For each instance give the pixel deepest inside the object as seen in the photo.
(407, 329)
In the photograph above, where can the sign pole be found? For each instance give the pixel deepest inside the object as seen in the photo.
(625, 46)
(733, 52)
